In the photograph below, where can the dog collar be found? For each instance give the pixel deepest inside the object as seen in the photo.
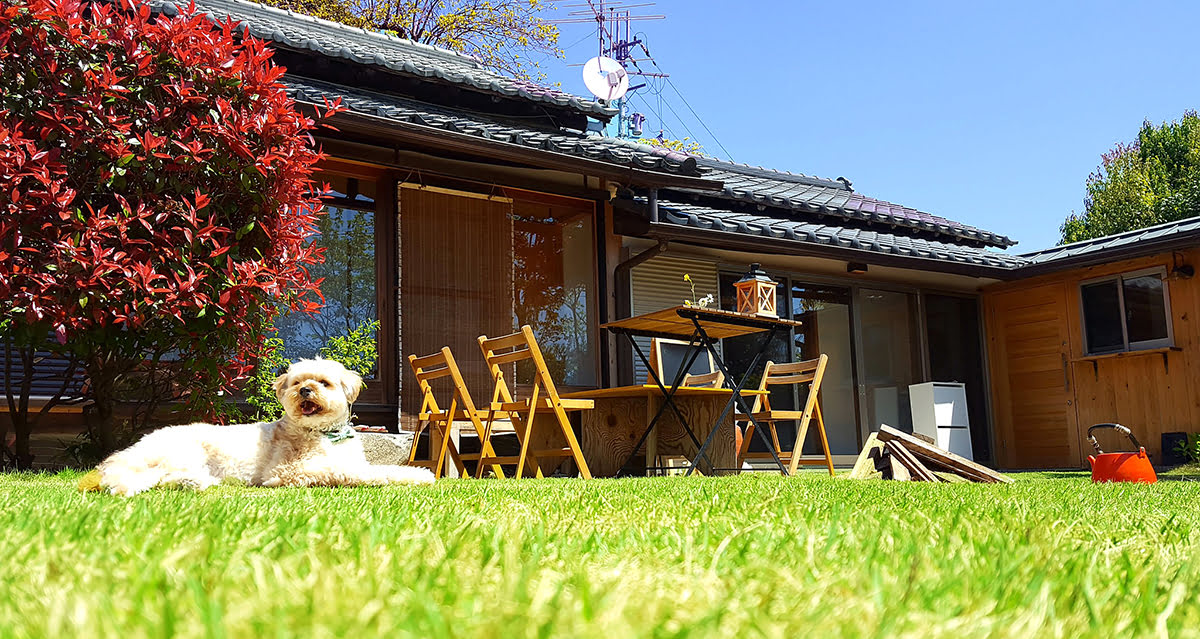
(340, 435)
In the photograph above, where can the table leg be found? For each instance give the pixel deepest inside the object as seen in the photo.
(652, 438)
(736, 399)
(668, 396)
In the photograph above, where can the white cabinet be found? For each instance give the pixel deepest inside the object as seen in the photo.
(939, 411)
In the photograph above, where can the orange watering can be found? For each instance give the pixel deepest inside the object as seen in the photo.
(1132, 467)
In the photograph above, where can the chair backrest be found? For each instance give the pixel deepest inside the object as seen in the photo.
(437, 366)
(810, 372)
(713, 378)
(510, 349)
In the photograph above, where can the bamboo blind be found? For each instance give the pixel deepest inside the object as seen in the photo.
(456, 282)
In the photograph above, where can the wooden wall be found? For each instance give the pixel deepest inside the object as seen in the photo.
(1046, 392)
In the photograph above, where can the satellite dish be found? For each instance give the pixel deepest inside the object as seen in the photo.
(605, 78)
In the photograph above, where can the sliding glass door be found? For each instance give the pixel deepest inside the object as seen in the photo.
(825, 312)
(889, 354)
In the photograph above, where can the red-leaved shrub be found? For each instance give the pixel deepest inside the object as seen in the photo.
(156, 198)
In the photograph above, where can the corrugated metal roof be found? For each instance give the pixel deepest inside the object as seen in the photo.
(831, 197)
(50, 371)
(1169, 230)
(302, 32)
(830, 235)
(612, 150)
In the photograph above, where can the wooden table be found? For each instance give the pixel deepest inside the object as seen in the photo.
(612, 429)
(701, 327)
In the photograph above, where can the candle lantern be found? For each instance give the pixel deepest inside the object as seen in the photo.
(756, 293)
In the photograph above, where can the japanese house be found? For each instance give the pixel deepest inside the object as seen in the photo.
(468, 203)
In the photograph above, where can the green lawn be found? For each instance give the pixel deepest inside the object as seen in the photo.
(748, 556)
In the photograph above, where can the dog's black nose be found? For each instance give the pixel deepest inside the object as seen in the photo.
(305, 392)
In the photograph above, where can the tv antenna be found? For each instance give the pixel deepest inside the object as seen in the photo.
(607, 75)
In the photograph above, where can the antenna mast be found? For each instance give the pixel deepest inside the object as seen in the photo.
(615, 40)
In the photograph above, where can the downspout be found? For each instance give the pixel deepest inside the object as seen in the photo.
(652, 201)
(623, 285)
(621, 277)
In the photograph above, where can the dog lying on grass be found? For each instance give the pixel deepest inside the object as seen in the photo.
(313, 444)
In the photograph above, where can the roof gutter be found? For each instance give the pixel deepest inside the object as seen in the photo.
(665, 232)
(392, 130)
(1105, 256)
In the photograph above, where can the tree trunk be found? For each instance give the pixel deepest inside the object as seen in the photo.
(24, 457)
(100, 419)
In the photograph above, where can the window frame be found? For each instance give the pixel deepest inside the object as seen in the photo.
(380, 391)
(1127, 346)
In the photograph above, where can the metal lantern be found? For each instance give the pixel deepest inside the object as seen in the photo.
(756, 293)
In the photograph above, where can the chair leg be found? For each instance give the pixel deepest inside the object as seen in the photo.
(412, 450)
(528, 434)
(456, 457)
(443, 450)
(486, 449)
(824, 441)
(745, 448)
(569, 433)
(798, 447)
(486, 444)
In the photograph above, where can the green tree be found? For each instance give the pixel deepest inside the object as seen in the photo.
(1155, 179)
(502, 34)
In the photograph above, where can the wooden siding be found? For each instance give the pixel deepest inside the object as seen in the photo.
(1046, 392)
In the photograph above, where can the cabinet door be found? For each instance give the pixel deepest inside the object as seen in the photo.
(1029, 344)
(950, 405)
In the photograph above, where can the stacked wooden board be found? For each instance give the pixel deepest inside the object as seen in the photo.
(892, 454)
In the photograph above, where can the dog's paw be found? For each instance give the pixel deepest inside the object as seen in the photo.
(406, 475)
(274, 482)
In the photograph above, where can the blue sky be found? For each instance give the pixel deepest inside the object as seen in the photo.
(989, 113)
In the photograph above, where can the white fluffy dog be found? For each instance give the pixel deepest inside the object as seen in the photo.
(313, 444)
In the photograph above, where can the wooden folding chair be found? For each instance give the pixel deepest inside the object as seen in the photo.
(509, 349)
(807, 372)
(436, 366)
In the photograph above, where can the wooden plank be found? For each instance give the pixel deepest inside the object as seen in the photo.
(941, 457)
(899, 471)
(643, 390)
(864, 466)
(918, 470)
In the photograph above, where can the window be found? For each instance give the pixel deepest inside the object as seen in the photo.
(1125, 313)
(554, 288)
(474, 265)
(347, 232)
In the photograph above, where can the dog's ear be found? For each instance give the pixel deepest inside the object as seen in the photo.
(279, 385)
(351, 385)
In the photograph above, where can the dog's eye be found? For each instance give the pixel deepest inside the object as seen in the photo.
(326, 383)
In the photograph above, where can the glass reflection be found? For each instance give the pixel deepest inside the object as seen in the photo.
(554, 288)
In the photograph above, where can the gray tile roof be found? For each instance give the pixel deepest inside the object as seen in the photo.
(611, 150)
(813, 233)
(835, 198)
(1180, 229)
(298, 31)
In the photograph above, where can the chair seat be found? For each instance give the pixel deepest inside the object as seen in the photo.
(461, 415)
(544, 404)
(549, 453)
(786, 456)
(775, 416)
